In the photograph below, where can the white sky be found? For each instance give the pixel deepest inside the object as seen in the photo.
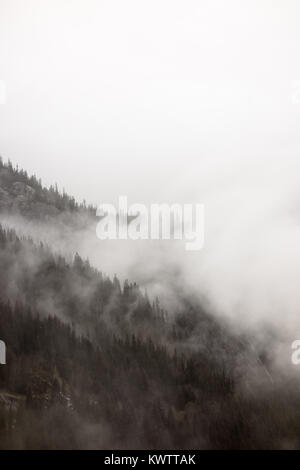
(111, 97)
(169, 100)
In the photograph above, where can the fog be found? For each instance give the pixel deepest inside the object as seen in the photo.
(168, 101)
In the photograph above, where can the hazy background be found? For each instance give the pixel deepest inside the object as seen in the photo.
(192, 101)
(109, 97)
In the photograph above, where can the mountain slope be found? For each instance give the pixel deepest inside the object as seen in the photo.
(92, 363)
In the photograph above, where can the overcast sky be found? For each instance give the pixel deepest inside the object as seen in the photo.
(169, 101)
(137, 97)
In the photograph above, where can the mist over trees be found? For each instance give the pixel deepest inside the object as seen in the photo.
(96, 363)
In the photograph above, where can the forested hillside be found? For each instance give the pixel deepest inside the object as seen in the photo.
(93, 363)
(21, 194)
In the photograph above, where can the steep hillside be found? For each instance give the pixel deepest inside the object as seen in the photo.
(21, 194)
(93, 363)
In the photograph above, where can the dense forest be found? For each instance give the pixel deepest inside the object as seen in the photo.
(96, 363)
